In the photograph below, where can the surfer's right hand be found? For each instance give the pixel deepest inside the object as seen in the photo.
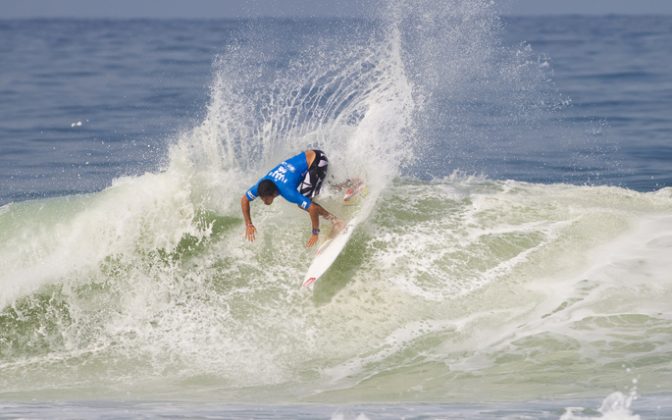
(312, 240)
(250, 230)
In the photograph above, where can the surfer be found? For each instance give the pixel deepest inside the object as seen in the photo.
(298, 180)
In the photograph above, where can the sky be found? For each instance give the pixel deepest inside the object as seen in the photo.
(287, 8)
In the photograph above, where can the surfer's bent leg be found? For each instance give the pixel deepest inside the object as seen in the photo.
(317, 172)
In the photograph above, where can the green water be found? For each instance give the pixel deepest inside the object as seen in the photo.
(447, 290)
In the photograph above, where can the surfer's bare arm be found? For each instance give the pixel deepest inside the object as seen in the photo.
(315, 211)
(250, 230)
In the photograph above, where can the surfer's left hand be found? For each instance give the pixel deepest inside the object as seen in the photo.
(312, 241)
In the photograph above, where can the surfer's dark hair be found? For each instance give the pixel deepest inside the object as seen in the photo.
(266, 188)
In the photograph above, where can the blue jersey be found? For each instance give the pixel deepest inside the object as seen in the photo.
(287, 176)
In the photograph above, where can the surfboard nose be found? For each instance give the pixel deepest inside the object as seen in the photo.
(309, 281)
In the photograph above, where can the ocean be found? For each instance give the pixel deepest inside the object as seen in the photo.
(515, 262)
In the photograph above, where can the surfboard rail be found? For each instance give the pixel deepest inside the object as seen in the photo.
(331, 248)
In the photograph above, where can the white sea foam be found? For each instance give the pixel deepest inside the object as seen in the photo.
(616, 406)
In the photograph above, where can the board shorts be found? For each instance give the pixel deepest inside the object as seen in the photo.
(317, 172)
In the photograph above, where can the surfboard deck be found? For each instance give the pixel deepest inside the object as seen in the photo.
(330, 249)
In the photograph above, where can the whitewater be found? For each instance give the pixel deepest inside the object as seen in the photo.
(493, 294)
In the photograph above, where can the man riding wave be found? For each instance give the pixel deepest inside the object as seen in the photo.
(298, 180)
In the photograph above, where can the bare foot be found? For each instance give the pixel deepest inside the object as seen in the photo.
(338, 226)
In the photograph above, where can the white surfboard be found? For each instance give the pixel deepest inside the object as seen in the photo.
(328, 252)
(330, 249)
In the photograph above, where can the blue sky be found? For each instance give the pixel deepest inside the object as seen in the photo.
(237, 8)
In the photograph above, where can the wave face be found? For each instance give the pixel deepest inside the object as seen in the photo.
(449, 288)
(453, 287)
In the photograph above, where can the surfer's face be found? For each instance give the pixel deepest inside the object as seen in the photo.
(268, 199)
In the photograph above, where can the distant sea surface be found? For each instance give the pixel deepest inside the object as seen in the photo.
(134, 84)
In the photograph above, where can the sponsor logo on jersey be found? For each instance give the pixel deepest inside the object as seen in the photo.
(279, 174)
